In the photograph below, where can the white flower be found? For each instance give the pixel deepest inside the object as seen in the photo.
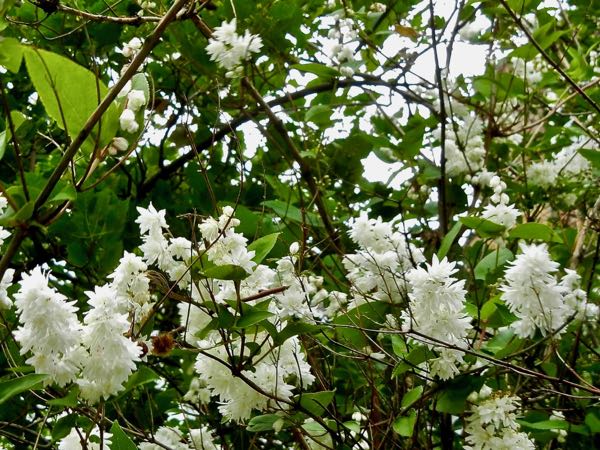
(135, 100)
(5, 283)
(118, 144)
(151, 220)
(49, 328)
(73, 440)
(111, 356)
(502, 214)
(128, 122)
(229, 49)
(131, 48)
(532, 293)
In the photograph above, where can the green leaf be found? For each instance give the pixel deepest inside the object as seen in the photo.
(252, 318)
(140, 83)
(405, 425)
(319, 115)
(226, 272)
(263, 423)
(68, 192)
(293, 329)
(593, 156)
(290, 212)
(10, 388)
(70, 93)
(534, 231)
(120, 441)
(449, 240)
(494, 260)
(453, 398)
(17, 118)
(69, 400)
(484, 228)
(11, 53)
(140, 377)
(316, 402)
(263, 246)
(317, 69)
(546, 425)
(411, 396)
(592, 420)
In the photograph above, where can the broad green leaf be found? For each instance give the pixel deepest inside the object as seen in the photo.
(63, 427)
(399, 346)
(319, 115)
(546, 425)
(405, 425)
(252, 318)
(263, 423)
(119, 440)
(316, 402)
(69, 400)
(263, 246)
(317, 69)
(68, 192)
(11, 53)
(10, 388)
(453, 398)
(449, 240)
(140, 83)
(140, 377)
(70, 93)
(415, 357)
(293, 329)
(226, 272)
(491, 262)
(483, 227)
(593, 156)
(411, 396)
(534, 231)
(592, 420)
(17, 118)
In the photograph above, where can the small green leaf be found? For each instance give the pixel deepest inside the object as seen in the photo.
(69, 400)
(226, 272)
(534, 231)
(546, 425)
(263, 423)
(67, 193)
(11, 53)
(405, 425)
(484, 228)
(316, 402)
(120, 441)
(263, 246)
(10, 388)
(318, 69)
(411, 396)
(252, 318)
(453, 398)
(293, 329)
(494, 260)
(449, 240)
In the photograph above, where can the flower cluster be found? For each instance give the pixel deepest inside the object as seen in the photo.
(567, 163)
(343, 52)
(167, 437)
(534, 295)
(499, 211)
(136, 100)
(3, 233)
(92, 440)
(384, 256)
(492, 425)
(437, 310)
(229, 49)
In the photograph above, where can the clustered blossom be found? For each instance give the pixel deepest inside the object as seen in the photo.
(229, 49)
(377, 269)
(273, 370)
(55, 344)
(491, 424)
(136, 99)
(534, 295)
(499, 211)
(167, 437)
(531, 71)
(567, 163)
(111, 357)
(437, 310)
(5, 283)
(343, 51)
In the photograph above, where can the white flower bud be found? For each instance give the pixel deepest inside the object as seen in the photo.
(131, 48)
(135, 100)
(294, 248)
(128, 122)
(118, 144)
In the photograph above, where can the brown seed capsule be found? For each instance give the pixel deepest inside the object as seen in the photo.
(162, 344)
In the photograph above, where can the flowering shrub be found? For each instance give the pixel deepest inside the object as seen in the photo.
(195, 253)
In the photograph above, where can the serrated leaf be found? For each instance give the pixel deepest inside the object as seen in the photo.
(252, 318)
(70, 93)
(263, 246)
(119, 440)
(316, 402)
(10, 388)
